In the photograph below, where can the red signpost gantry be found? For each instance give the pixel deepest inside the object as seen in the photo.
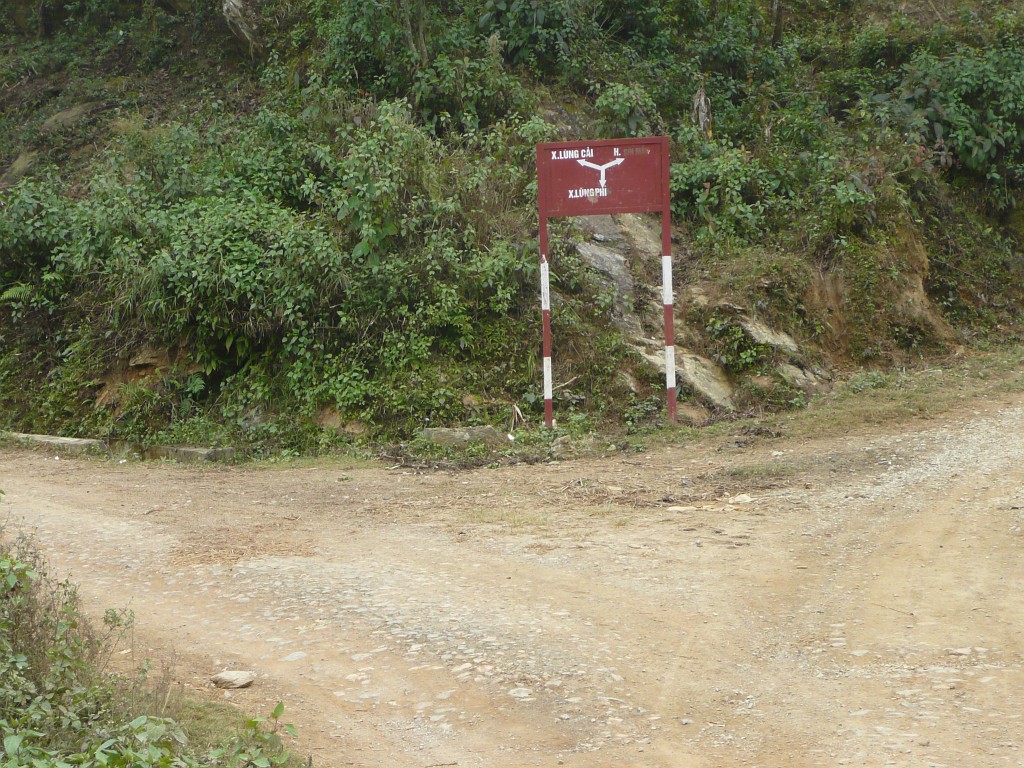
(587, 178)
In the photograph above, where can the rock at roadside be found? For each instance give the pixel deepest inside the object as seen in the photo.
(704, 377)
(68, 445)
(70, 116)
(233, 679)
(562, 448)
(460, 437)
(707, 379)
(187, 455)
(800, 378)
(762, 334)
(20, 167)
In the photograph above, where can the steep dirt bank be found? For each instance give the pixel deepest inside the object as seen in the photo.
(847, 600)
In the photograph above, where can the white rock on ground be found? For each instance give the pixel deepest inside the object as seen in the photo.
(233, 679)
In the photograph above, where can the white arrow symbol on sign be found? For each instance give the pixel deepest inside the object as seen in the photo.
(601, 168)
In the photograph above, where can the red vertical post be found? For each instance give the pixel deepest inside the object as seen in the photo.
(545, 313)
(666, 283)
(669, 308)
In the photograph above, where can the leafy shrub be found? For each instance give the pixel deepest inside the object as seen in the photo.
(473, 92)
(728, 46)
(51, 658)
(627, 110)
(365, 45)
(722, 187)
(972, 102)
(333, 276)
(886, 44)
(535, 33)
(733, 348)
(453, 74)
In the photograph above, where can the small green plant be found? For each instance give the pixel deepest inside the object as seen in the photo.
(733, 347)
(971, 103)
(258, 745)
(627, 110)
(867, 380)
(642, 412)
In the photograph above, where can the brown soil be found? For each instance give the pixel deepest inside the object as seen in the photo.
(847, 600)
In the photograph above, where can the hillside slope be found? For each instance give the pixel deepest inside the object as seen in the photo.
(303, 222)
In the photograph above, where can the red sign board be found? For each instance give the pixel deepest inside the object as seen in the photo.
(584, 178)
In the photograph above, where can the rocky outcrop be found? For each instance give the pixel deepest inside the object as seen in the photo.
(70, 117)
(618, 248)
(145, 366)
(241, 20)
(606, 252)
(762, 334)
(800, 378)
(17, 170)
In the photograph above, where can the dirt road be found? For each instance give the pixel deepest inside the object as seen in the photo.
(851, 600)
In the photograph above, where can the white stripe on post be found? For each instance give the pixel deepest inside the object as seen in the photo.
(666, 280)
(670, 334)
(545, 286)
(547, 378)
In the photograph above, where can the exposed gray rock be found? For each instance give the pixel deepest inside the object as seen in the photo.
(707, 379)
(69, 445)
(562, 447)
(798, 377)
(22, 165)
(610, 262)
(602, 229)
(762, 334)
(233, 679)
(188, 455)
(649, 351)
(643, 232)
(241, 19)
(628, 380)
(71, 116)
(458, 437)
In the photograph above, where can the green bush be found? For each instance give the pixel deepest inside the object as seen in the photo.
(627, 110)
(733, 347)
(722, 187)
(535, 34)
(969, 110)
(332, 276)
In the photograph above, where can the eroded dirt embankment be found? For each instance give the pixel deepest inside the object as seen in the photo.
(842, 601)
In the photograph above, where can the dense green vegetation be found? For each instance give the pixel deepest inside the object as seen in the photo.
(339, 213)
(60, 705)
